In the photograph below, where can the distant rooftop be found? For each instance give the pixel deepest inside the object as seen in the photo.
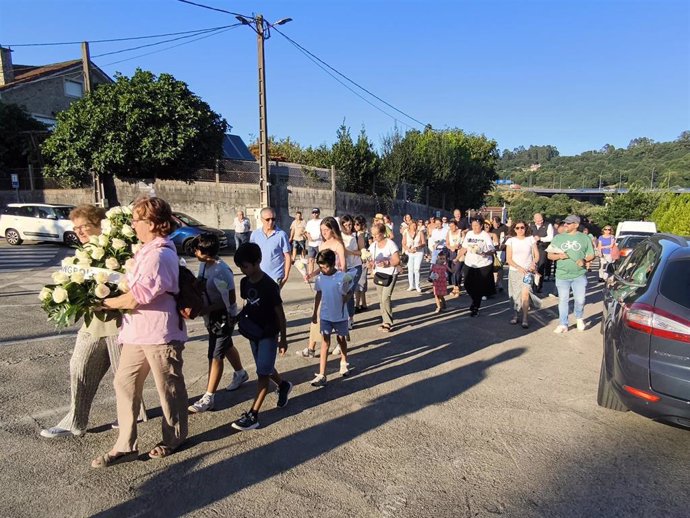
(234, 148)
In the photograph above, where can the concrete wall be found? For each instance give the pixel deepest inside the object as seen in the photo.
(215, 204)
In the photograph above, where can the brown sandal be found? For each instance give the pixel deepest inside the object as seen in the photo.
(160, 451)
(385, 328)
(106, 460)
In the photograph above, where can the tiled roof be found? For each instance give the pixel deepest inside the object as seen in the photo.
(28, 73)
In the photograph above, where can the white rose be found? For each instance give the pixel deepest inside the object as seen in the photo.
(118, 244)
(93, 240)
(60, 295)
(123, 285)
(85, 263)
(81, 255)
(113, 212)
(101, 291)
(136, 247)
(127, 230)
(101, 277)
(103, 240)
(68, 261)
(129, 264)
(97, 253)
(127, 210)
(77, 277)
(111, 263)
(106, 227)
(60, 278)
(46, 293)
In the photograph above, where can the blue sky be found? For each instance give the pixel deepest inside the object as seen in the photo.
(576, 74)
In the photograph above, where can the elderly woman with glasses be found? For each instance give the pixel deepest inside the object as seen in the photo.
(96, 348)
(153, 335)
(522, 256)
(605, 244)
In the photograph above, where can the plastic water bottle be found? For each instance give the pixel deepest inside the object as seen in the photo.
(527, 279)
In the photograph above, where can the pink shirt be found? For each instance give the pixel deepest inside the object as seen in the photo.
(154, 277)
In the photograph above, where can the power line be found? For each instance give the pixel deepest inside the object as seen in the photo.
(174, 46)
(346, 78)
(213, 8)
(112, 40)
(204, 31)
(350, 88)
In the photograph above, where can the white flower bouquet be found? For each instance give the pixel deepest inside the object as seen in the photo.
(95, 272)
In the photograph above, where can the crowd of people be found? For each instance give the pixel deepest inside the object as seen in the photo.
(338, 258)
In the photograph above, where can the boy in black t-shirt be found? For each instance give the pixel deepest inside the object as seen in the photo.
(263, 307)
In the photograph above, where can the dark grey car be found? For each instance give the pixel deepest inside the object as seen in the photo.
(646, 327)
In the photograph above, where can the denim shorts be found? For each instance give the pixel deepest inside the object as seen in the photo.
(312, 251)
(265, 352)
(340, 328)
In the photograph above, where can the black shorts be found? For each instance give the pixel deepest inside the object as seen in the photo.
(218, 346)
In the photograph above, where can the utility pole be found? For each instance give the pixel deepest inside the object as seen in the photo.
(651, 184)
(86, 73)
(265, 199)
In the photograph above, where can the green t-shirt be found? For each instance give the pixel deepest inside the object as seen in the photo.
(576, 246)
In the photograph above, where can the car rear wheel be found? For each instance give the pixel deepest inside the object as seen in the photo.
(188, 247)
(12, 237)
(71, 239)
(606, 396)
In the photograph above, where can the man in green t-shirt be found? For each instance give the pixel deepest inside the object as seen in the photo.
(572, 250)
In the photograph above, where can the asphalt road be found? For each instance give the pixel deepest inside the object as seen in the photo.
(447, 416)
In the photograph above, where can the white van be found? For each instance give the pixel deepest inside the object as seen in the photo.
(37, 222)
(637, 228)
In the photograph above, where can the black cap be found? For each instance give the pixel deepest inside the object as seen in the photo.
(315, 210)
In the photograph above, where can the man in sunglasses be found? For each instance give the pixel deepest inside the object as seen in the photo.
(276, 260)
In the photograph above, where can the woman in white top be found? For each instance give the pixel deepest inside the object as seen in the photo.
(353, 259)
(522, 255)
(478, 252)
(413, 244)
(454, 243)
(384, 260)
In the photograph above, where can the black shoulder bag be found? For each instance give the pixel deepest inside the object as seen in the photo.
(382, 279)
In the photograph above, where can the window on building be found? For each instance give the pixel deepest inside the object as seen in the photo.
(73, 88)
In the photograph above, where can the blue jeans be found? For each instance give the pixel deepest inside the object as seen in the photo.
(265, 352)
(356, 274)
(241, 238)
(579, 287)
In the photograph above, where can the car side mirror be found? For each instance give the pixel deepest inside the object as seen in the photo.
(610, 269)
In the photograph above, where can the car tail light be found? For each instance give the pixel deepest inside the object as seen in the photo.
(641, 394)
(657, 322)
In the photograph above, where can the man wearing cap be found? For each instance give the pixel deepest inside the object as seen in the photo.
(314, 239)
(571, 250)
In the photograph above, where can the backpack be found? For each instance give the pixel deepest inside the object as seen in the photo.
(190, 297)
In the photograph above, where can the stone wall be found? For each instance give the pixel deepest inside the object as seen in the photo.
(57, 196)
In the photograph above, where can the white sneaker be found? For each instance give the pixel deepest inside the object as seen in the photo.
(336, 351)
(345, 369)
(581, 326)
(238, 378)
(484, 297)
(55, 431)
(205, 403)
(419, 290)
(560, 329)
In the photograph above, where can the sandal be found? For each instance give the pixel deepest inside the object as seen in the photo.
(106, 460)
(525, 324)
(385, 328)
(160, 450)
(514, 320)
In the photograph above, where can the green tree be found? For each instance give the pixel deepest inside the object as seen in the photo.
(635, 205)
(673, 214)
(139, 127)
(356, 162)
(15, 143)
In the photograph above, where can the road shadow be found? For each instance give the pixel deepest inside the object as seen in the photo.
(212, 483)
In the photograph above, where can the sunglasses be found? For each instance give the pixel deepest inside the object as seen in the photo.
(269, 219)
(520, 228)
(606, 229)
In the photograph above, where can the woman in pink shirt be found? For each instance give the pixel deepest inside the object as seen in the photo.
(153, 336)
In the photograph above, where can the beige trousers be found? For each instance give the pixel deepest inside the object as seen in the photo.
(165, 362)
